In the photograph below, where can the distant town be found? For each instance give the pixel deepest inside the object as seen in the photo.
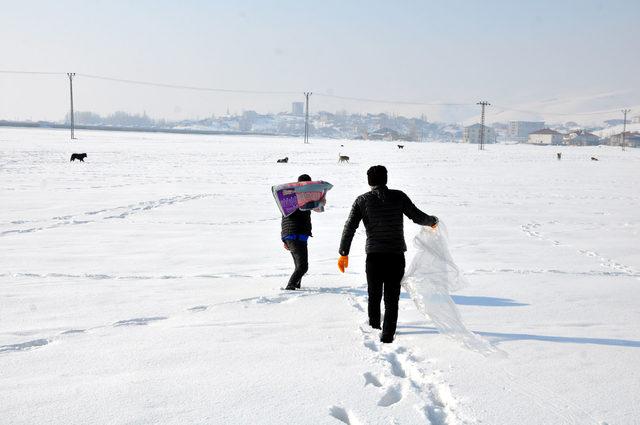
(344, 125)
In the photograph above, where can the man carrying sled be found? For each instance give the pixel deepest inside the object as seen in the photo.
(295, 231)
(296, 201)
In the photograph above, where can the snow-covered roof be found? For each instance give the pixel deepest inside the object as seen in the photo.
(582, 133)
(545, 131)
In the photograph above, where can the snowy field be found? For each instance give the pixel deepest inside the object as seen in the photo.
(142, 286)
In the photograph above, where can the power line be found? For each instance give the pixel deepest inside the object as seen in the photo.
(275, 92)
(505, 108)
(394, 102)
(358, 99)
(221, 90)
(32, 72)
(183, 87)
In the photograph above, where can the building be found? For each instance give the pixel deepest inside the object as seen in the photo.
(297, 108)
(631, 139)
(471, 134)
(636, 119)
(387, 134)
(581, 138)
(545, 136)
(519, 130)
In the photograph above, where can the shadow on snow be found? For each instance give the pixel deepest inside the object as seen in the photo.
(497, 337)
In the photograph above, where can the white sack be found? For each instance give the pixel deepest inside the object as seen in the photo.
(430, 277)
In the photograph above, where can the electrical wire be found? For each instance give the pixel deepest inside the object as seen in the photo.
(182, 87)
(504, 108)
(394, 102)
(325, 95)
(32, 72)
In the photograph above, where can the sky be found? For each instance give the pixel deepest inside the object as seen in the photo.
(514, 54)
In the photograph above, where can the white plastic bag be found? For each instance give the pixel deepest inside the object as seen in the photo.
(429, 279)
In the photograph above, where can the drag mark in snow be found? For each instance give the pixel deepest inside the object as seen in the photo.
(285, 296)
(24, 345)
(553, 271)
(140, 321)
(104, 214)
(198, 308)
(73, 331)
(277, 299)
(531, 230)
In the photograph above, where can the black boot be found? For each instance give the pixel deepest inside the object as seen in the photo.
(387, 339)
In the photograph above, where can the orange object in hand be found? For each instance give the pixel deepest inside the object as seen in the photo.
(343, 262)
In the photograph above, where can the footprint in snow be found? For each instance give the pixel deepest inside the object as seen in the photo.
(371, 379)
(391, 396)
(343, 415)
(24, 345)
(396, 365)
(139, 321)
(198, 308)
(371, 345)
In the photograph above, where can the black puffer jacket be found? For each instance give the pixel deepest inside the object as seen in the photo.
(298, 223)
(382, 211)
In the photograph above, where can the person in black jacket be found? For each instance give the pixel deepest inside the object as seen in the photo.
(296, 230)
(382, 212)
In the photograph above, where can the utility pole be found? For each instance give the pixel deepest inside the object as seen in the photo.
(624, 125)
(482, 103)
(306, 117)
(71, 75)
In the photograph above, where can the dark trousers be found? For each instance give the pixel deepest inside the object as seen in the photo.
(298, 250)
(384, 273)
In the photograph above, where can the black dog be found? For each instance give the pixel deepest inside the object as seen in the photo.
(79, 156)
(400, 146)
(283, 160)
(593, 158)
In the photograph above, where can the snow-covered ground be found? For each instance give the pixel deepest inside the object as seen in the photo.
(142, 286)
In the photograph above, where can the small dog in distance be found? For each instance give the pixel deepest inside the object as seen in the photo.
(343, 158)
(400, 146)
(283, 160)
(559, 154)
(593, 158)
(79, 156)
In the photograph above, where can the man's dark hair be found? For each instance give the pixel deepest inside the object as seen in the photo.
(377, 175)
(304, 178)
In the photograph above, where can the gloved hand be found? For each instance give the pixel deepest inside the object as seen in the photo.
(343, 262)
(435, 225)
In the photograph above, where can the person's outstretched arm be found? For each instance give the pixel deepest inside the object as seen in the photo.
(350, 227)
(417, 216)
